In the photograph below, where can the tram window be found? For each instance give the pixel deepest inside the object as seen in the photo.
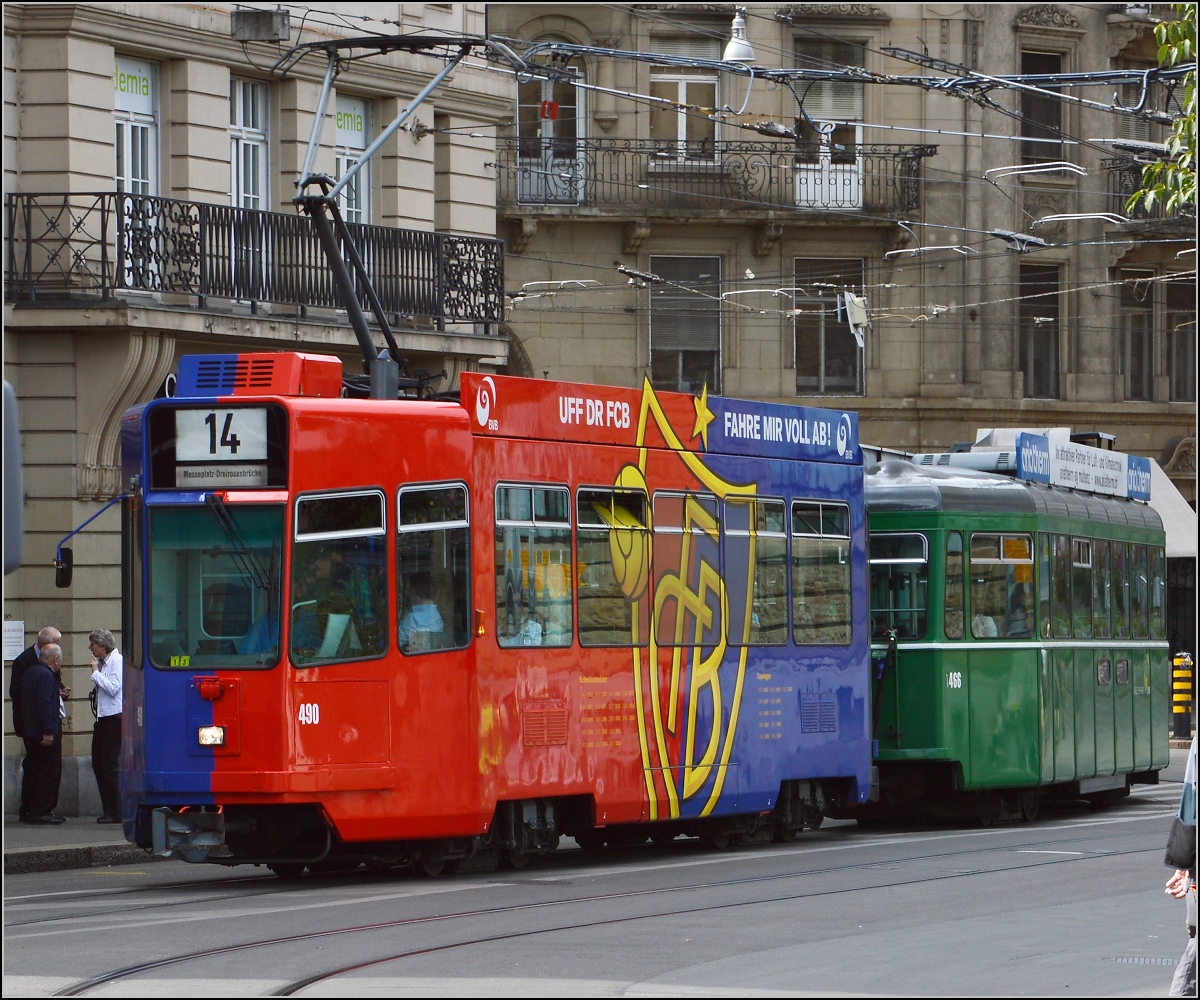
(759, 526)
(1104, 672)
(687, 568)
(1043, 584)
(433, 569)
(1101, 590)
(1081, 587)
(1001, 586)
(955, 588)
(214, 586)
(1158, 593)
(1120, 590)
(612, 545)
(334, 516)
(533, 566)
(820, 573)
(899, 585)
(339, 579)
(1139, 592)
(1060, 599)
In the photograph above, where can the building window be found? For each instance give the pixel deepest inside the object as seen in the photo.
(1039, 321)
(829, 163)
(1181, 333)
(828, 358)
(1041, 114)
(685, 323)
(248, 143)
(353, 124)
(684, 128)
(135, 112)
(550, 128)
(1137, 333)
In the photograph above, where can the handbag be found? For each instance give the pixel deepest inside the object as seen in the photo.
(1181, 846)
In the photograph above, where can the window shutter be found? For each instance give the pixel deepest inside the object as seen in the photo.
(839, 100)
(691, 48)
(1133, 128)
(681, 320)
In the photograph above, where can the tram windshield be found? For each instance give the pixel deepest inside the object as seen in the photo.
(214, 586)
(899, 585)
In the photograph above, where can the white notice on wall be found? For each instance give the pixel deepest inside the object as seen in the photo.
(14, 639)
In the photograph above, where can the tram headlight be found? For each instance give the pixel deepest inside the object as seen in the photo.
(211, 736)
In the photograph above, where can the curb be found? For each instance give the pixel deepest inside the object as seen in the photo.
(39, 859)
(1180, 744)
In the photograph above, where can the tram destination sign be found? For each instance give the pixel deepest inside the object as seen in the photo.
(1081, 467)
(220, 448)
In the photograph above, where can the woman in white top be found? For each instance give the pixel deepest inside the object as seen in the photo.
(106, 735)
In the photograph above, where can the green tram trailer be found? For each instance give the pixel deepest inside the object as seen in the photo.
(1029, 656)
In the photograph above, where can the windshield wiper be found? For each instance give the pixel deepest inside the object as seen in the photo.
(247, 560)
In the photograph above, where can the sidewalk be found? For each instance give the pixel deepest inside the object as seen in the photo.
(78, 843)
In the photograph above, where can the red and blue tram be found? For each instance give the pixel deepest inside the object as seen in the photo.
(417, 632)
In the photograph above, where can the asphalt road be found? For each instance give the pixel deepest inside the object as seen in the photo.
(1070, 905)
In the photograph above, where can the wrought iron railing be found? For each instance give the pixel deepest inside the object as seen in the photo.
(1124, 177)
(100, 245)
(735, 177)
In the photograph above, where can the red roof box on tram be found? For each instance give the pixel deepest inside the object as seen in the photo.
(267, 373)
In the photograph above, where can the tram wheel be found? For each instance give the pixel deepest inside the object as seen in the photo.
(517, 860)
(429, 865)
(786, 834)
(717, 840)
(287, 870)
(814, 820)
(1031, 801)
(590, 840)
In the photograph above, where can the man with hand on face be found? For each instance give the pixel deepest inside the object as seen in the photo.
(41, 689)
(106, 735)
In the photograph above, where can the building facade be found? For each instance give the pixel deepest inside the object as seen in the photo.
(657, 228)
(150, 161)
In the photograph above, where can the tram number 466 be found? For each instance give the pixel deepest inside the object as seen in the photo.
(310, 714)
(954, 679)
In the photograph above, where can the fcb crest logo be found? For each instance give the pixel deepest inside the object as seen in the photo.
(689, 671)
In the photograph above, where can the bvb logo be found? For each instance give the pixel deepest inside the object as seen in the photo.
(629, 539)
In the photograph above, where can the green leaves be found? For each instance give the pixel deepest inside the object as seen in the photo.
(1172, 182)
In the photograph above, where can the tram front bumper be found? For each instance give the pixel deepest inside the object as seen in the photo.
(189, 835)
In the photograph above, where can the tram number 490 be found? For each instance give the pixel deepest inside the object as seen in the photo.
(310, 714)
(954, 679)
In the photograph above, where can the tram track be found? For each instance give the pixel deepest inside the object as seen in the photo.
(1030, 858)
(273, 887)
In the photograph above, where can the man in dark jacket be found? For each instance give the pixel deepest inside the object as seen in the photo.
(27, 659)
(43, 737)
(22, 663)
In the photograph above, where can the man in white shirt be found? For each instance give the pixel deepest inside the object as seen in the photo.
(106, 736)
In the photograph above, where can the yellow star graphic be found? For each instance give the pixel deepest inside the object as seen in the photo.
(704, 416)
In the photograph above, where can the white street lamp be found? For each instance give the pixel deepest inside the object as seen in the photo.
(739, 48)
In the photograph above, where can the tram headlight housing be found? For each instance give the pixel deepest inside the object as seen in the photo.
(211, 736)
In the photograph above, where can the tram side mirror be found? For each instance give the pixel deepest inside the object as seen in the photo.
(63, 568)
